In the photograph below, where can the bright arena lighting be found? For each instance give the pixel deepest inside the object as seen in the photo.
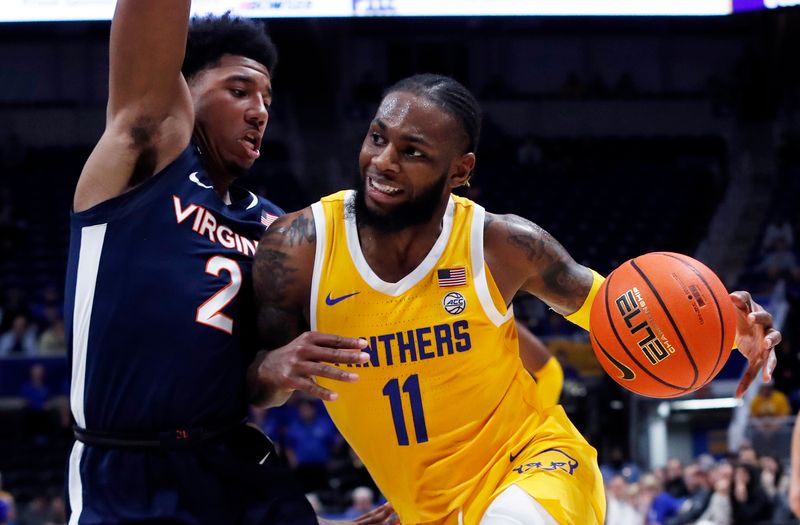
(73, 10)
(705, 404)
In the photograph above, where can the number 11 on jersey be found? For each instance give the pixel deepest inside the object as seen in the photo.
(410, 387)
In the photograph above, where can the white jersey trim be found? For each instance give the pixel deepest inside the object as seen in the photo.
(416, 275)
(319, 255)
(88, 265)
(92, 238)
(478, 269)
(74, 483)
(253, 202)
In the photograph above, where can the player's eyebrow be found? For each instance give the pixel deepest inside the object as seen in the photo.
(408, 137)
(237, 77)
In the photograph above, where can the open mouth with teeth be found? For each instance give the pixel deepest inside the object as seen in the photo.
(382, 187)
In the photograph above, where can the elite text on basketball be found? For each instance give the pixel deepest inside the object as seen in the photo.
(653, 344)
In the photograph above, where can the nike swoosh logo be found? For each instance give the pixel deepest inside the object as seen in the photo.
(627, 373)
(193, 178)
(512, 457)
(331, 301)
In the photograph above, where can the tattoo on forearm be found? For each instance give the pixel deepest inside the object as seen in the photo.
(565, 283)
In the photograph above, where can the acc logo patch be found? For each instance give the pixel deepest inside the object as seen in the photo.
(454, 303)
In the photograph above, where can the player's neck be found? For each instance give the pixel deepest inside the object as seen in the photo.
(393, 255)
(220, 177)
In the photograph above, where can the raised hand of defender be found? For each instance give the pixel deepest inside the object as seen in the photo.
(312, 354)
(755, 339)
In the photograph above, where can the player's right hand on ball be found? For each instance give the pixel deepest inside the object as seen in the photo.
(312, 354)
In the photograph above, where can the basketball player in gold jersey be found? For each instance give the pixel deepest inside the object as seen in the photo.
(441, 410)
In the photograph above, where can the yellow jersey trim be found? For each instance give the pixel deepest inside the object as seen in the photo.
(581, 317)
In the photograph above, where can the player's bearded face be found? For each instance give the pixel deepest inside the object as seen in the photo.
(418, 210)
(406, 162)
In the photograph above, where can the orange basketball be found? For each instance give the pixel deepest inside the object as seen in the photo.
(662, 325)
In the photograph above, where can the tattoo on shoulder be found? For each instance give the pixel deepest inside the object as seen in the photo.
(301, 229)
(558, 271)
(274, 271)
(528, 237)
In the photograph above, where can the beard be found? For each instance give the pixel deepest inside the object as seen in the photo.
(417, 211)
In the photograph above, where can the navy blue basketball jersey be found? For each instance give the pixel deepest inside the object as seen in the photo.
(159, 303)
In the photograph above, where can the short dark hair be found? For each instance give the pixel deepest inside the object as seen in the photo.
(451, 96)
(211, 37)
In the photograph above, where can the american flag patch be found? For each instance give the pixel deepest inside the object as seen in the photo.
(452, 277)
(267, 218)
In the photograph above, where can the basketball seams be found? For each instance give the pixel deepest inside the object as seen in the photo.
(625, 347)
(718, 364)
(671, 320)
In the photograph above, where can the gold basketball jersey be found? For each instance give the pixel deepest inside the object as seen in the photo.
(444, 404)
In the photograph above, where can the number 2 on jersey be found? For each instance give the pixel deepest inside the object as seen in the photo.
(410, 387)
(210, 312)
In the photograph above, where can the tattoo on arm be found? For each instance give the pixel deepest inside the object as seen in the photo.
(301, 229)
(275, 274)
(278, 285)
(528, 237)
(561, 280)
(566, 283)
(272, 274)
(273, 269)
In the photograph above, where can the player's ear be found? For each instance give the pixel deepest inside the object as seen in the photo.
(461, 170)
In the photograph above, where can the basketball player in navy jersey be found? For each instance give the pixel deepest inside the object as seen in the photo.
(159, 298)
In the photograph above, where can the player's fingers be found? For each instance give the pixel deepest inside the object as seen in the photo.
(331, 372)
(337, 341)
(741, 300)
(762, 318)
(755, 364)
(336, 355)
(311, 388)
(773, 338)
(772, 360)
(383, 515)
(385, 511)
(747, 378)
